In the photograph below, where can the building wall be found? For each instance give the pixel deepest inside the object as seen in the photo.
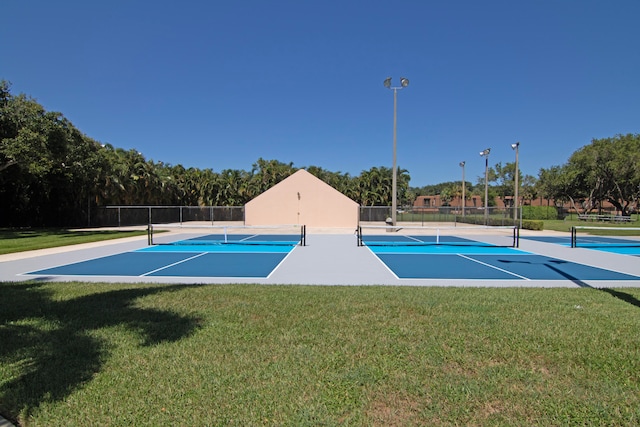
(302, 199)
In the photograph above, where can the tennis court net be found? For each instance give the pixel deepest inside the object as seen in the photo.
(389, 235)
(585, 236)
(274, 235)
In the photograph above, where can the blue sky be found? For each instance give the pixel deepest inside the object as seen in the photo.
(213, 84)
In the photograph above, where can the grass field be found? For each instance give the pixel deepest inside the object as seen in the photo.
(80, 354)
(20, 240)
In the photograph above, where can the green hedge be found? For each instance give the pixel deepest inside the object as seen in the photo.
(532, 224)
(539, 212)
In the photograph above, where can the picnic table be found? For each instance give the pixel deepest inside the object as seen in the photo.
(604, 218)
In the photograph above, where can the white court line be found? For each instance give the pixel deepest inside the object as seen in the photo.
(384, 264)
(494, 267)
(279, 264)
(171, 265)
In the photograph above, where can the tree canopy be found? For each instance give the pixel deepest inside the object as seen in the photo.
(501, 180)
(607, 170)
(51, 174)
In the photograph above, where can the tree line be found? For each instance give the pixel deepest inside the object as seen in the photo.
(501, 180)
(607, 170)
(604, 172)
(51, 174)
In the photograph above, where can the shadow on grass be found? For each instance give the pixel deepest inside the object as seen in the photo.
(622, 296)
(617, 294)
(630, 299)
(29, 233)
(48, 347)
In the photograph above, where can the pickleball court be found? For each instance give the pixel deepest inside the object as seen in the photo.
(204, 255)
(618, 244)
(384, 258)
(453, 257)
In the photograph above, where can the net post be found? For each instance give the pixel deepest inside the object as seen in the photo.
(359, 235)
(438, 236)
(516, 237)
(303, 235)
(573, 236)
(149, 235)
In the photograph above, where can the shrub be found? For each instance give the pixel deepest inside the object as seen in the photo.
(532, 224)
(539, 212)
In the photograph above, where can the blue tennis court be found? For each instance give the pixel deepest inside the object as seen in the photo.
(247, 256)
(459, 258)
(478, 260)
(617, 245)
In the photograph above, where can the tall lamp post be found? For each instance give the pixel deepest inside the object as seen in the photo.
(516, 146)
(464, 200)
(394, 196)
(485, 154)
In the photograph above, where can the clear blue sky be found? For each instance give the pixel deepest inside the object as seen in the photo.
(219, 84)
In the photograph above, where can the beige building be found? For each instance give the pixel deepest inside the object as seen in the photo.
(302, 199)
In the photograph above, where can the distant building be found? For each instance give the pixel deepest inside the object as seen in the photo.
(435, 202)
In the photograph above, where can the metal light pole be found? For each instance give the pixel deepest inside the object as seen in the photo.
(485, 154)
(464, 200)
(394, 196)
(515, 192)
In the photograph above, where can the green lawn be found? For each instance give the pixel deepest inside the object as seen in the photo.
(79, 354)
(20, 240)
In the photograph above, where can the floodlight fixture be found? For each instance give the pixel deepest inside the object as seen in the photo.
(404, 82)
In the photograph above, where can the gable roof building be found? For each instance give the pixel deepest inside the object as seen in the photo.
(302, 199)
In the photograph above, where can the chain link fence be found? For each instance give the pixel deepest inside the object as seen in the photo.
(493, 216)
(122, 216)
